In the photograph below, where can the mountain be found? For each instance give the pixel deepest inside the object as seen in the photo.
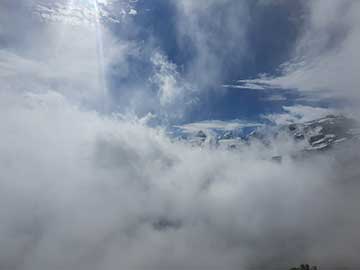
(313, 136)
(326, 132)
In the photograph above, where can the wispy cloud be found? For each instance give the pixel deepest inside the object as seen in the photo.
(324, 58)
(217, 32)
(216, 125)
(299, 113)
(81, 12)
(59, 57)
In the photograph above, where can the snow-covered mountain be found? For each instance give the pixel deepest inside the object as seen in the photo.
(326, 132)
(312, 136)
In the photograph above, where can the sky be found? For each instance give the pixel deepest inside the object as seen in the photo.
(184, 61)
(90, 175)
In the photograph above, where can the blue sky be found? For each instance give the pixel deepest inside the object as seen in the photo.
(237, 41)
(268, 40)
(185, 61)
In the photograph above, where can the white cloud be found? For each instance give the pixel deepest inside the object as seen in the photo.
(325, 58)
(216, 124)
(215, 31)
(80, 190)
(174, 93)
(72, 60)
(246, 85)
(299, 113)
(90, 192)
(275, 98)
(166, 77)
(133, 12)
(83, 12)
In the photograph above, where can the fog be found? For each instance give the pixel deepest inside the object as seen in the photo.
(84, 191)
(84, 188)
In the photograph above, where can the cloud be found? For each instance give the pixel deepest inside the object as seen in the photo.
(216, 124)
(90, 192)
(254, 84)
(216, 31)
(299, 113)
(80, 189)
(275, 98)
(324, 57)
(171, 87)
(72, 60)
(79, 12)
(92, 66)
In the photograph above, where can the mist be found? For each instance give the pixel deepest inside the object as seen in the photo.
(91, 177)
(84, 191)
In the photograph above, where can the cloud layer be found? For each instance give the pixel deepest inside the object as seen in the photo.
(82, 191)
(81, 188)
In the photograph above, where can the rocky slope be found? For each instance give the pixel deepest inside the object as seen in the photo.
(314, 136)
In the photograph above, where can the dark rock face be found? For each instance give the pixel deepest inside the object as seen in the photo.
(316, 138)
(201, 134)
(277, 159)
(325, 132)
(164, 224)
(292, 127)
(305, 267)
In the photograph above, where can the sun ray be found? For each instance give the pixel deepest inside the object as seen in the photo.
(100, 55)
(91, 24)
